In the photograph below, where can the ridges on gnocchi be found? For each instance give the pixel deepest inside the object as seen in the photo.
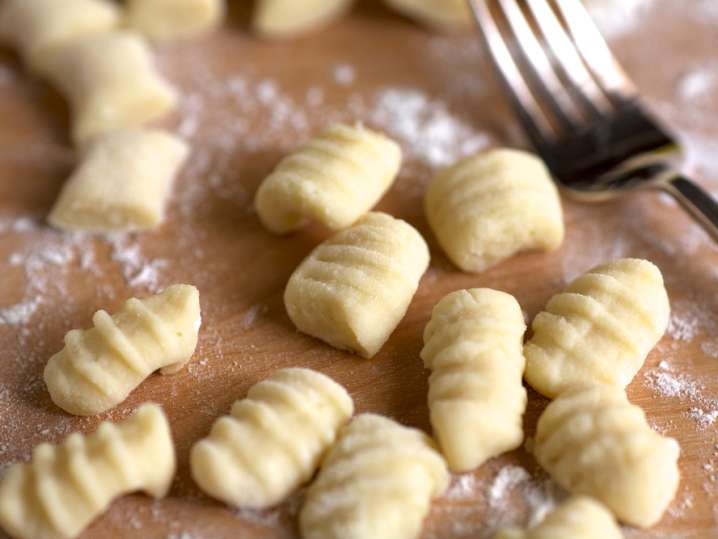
(473, 345)
(377, 481)
(122, 183)
(599, 330)
(99, 367)
(333, 179)
(493, 205)
(354, 288)
(273, 440)
(64, 487)
(594, 442)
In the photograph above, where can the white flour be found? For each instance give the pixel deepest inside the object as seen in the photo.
(508, 478)
(616, 17)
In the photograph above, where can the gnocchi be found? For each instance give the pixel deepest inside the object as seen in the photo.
(334, 179)
(354, 288)
(64, 487)
(599, 330)
(36, 27)
(99, 367)
(169, 19)
(376, 482)
(285, 18)
(273, 440)
(110, 82)
(473, 345)
(577, 518)
(594, 442)
(493, 205)
(440, 14)
(122, 183)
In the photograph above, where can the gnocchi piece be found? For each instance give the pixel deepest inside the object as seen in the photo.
(577, 518)
(170, 19)
(376, 482)
(335, 179)
(64, 487)
(599, 330)
(110, 82)
(594, 442)
(439, 14)
(476, 397)
(273, 440)
(35, 27)
(354, 289)
(99, 367)
(122, 183)
(493, 205)
(287, 18)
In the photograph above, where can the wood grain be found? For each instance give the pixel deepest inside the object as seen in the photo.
(213, 240)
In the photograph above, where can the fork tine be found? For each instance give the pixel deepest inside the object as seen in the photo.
(552, 89)
(595, 51)
(530, 113)
(568, 58)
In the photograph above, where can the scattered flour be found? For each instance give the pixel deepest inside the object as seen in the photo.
(506, 480)
(429, 131)
(697, 84)
(344, 74)
(663, 381)
(252, 314)
(136, 269)
(616, 17)
(20, 313)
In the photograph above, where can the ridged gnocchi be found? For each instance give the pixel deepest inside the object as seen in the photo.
(594, 442)
(273, 440)
(110, 81)
(170, 19)
(473, 345)
(122, 184)
(286, 18)
(376, 482)
(440, 14)
(36, 27)
(99, 367)
(579, 517)
(599, 330)
(354, 288)
(64, 487)
(334, 179)
(493, 205)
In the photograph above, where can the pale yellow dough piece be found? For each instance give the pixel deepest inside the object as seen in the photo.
(594, 442)
(99, 367)
(110, 81)
(288, 18)
(493, 205)
(171, 19)
(377, 482)
(599, 330)
(36, 27)
(579, 517)
(473, 345)
(439, 14)
(273, 440)
(334, 179)
(354, 288)
(64, 487)
(122, 184)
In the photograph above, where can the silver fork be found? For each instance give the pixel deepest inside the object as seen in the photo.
(578, 107)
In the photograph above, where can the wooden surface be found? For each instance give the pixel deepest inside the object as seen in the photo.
(213, 240)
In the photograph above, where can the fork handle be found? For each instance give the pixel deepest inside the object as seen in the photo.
(696, 201)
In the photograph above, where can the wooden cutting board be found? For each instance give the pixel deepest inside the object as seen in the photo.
(246, 102)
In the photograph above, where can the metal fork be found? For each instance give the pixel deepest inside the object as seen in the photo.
(578, 107)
